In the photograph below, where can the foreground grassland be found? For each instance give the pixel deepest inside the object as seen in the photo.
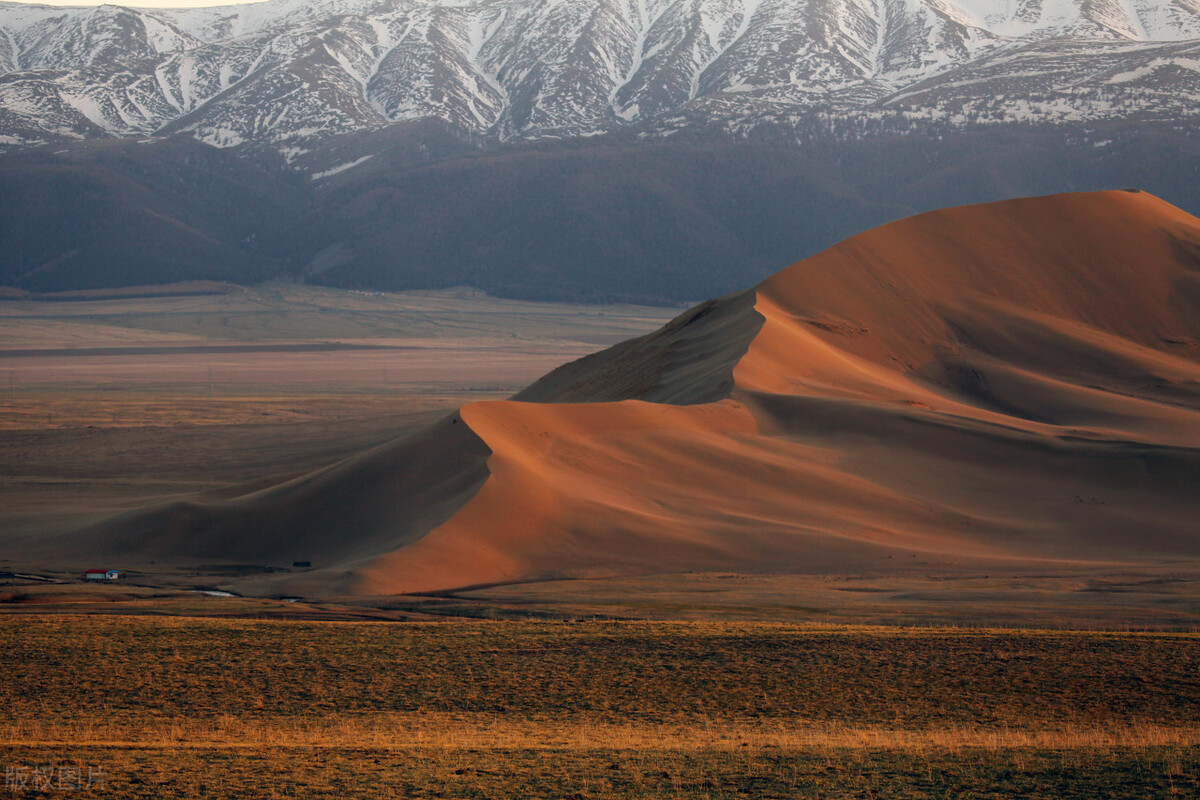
(181, 707)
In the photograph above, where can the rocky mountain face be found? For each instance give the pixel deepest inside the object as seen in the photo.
(650, 150)
(295, 75)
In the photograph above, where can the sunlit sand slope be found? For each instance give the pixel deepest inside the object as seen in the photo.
(1017, 381)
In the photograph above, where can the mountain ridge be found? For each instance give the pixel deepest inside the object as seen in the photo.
(523, 146)
(295, 76)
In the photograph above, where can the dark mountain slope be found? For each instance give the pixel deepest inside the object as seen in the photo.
(673, 221)
(123, 213)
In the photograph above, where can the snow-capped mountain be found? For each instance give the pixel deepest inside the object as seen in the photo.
(293, 74)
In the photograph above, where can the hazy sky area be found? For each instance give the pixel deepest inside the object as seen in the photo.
(144, 3)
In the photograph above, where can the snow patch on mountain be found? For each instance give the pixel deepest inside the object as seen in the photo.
(290, 74)
(316, 176)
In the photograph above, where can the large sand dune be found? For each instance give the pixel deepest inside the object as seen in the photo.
(1011, 382)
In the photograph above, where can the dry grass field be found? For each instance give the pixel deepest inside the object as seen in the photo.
(185, 707)
(933, 591)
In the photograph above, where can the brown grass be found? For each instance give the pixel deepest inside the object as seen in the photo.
(250, 709)
(58, 667)
(440, 731)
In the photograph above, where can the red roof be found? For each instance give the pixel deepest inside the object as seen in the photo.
(96, 571)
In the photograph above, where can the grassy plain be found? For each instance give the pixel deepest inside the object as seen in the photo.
(184, 707)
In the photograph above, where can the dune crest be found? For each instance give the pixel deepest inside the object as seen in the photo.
(1010, 381)
(1017, 381)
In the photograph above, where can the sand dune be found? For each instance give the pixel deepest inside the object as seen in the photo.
(1017, 381)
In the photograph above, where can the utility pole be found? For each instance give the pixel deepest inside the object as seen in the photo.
(210, 385)
(12, 387)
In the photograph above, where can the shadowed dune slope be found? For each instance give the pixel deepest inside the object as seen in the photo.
(367, 505)
(1012, 382)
